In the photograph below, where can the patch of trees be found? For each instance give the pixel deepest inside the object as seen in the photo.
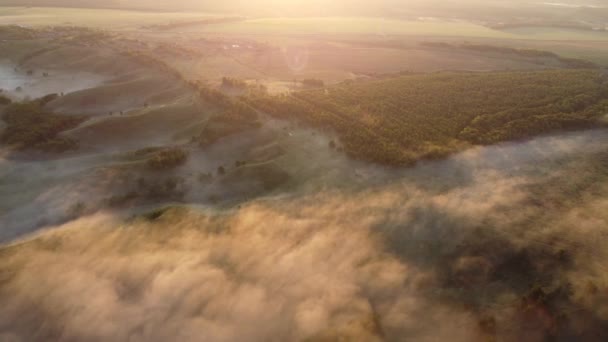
(150, 190)
(405, 119)
(4, 100)
(572, 63)
(313, 83)
(203, 22)
(157, 213)
(15, 32)
(43, 101)
(234, 116)
(30, 126)
(166, 159)
(230, 82)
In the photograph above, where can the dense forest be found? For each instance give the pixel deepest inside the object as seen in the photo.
(30, 126)
(405, 119)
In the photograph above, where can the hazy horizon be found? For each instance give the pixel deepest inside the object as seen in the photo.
(316, 7)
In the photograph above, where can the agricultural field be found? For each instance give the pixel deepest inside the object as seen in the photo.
(98, 18)
(193, 22)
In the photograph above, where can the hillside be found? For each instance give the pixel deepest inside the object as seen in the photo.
(303, 170)
(404, 119)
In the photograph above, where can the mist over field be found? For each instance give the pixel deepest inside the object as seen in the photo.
(303, 170)
(317, 7)
(411, 259)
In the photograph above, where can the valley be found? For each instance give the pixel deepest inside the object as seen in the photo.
(193, 175)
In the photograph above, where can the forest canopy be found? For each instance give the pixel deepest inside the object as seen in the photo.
(404, 119)
(32, 127)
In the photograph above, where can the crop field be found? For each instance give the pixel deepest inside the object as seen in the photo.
(128, 20)
(98, 18)
(345, 25)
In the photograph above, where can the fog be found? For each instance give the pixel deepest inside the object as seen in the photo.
(319, 7)
(503, 242)
(18, 83)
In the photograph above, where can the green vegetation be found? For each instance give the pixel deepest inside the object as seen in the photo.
(404, 119)
(15, 32)
(354, 25)
(165, 159)
(572, 63)
(313, 83)
(30, 126)
(199, 22)
(82, 16)
(157, 214)
(46, 99)
(4, 100)
(230, 82)
(235, 116)
(143, 190)
(143, 153)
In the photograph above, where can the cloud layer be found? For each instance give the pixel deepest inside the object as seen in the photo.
(493, 250)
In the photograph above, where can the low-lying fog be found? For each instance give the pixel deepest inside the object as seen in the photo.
(20, 83)
(504, 242)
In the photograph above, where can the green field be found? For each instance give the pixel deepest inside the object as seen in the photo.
(127, 20)
(98, 18)
(347, 25)
(380, 26)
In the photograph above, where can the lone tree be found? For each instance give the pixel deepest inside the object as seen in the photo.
(221, 171)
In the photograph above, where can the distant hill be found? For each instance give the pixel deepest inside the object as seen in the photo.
(498, 14)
